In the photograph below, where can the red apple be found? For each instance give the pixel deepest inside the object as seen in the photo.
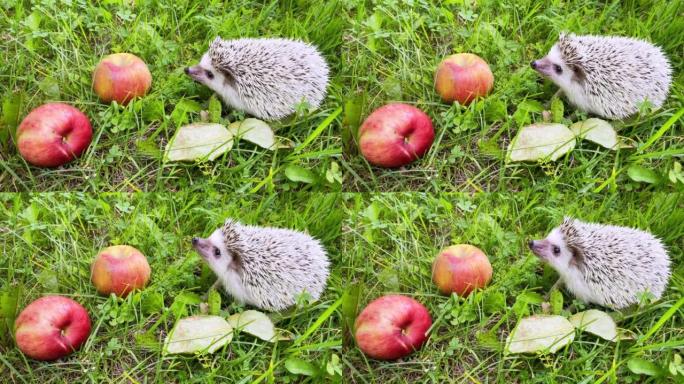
(120, 269)
(51, 327)
(463, 77)
(53, 134)
(392, 327)
(121, 77)
(461, 269)
(395, 135)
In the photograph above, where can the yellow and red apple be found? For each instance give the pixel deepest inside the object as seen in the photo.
(391, 327)
(463, 77)
(51, 327)
(395, 135)
(120, 269)
(121, 77)
(461, 269)
(53, 135)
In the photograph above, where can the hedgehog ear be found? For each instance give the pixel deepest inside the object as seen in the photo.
(578, 73)
(577, 256)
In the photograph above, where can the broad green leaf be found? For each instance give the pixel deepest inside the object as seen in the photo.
(9, 298)
(595, 322)
(198, 334)
(541, 333)
(255, 323)
(299, 174)
(557, 110)
(255, 131)
(350, 308)
(556, 300)
(544, 141)
(300, 367)
(214, 301)
(215, 108)
(351, 122)
(11, 105)
(199, 141)
(644, 367)
(179, 115)
(642, 174)
(598, 131)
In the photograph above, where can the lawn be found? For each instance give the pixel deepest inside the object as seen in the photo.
(392, 51)
(48, 242)
(392, 239)
(378, 244)
(378, 52)
(382, 227)
(54, 49)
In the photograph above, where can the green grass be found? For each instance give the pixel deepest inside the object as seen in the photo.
(378, 244)
(379, 51)
(54, 49)
(392, 239)
(392, 53)
(49, 241)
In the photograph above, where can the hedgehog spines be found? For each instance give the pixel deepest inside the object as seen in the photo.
(271, 76)
(278, 264)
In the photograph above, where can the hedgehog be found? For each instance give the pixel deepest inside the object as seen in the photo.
(265, 267)
(607, 265)
(608, 76)
(267, 78)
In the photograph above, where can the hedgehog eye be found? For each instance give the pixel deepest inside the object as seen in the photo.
(558, 69)
(210, 75)
(217, 253)
(556, 250)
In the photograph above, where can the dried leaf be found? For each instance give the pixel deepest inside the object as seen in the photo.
(255, 323)
(199, 141)
(198, 334)
(595, 322)
(254, 131)
(542, 333)
(541, 141)
(598, 131)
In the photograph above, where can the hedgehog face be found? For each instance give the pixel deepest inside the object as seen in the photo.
(214, 252)
(205, 73)
(555, 68)
(553, 250)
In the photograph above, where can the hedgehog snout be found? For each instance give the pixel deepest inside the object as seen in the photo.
(195, 240)
(529, 244)
(543, 66)
(195, 72)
